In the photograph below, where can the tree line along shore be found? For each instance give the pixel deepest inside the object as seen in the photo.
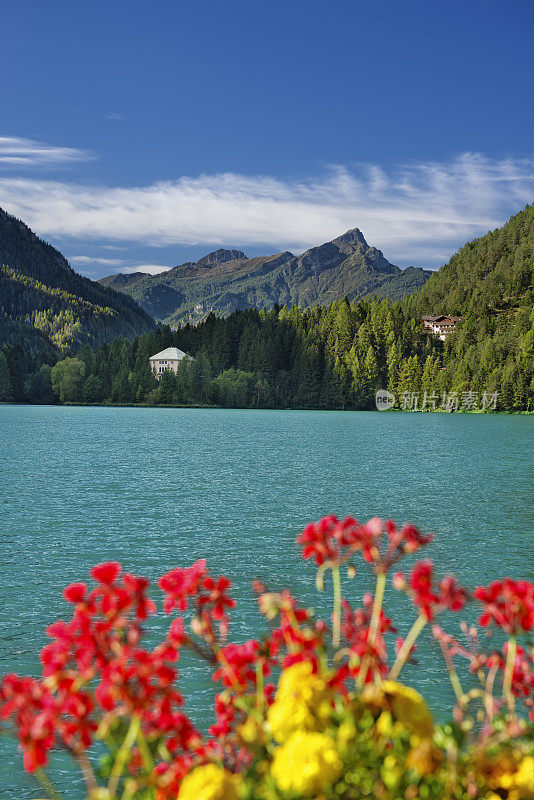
(319, 358)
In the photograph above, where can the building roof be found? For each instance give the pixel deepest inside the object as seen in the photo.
(439, 317)
(170, 354)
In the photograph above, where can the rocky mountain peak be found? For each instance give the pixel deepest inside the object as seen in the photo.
(220, 257)
(351, 238)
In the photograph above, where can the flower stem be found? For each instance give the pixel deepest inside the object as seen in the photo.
(456, 685)
(336, 633)
(509, 672)
(407, 645)
(377, 606)
(47, 784)
(146, 755)
(122, 755)
(489, 701)
(87, 772)
(129, 790)
(373, 626)
(453, 675)
(259, 684)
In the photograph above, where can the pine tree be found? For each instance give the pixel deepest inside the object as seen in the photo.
(371, 377)
(6, 391)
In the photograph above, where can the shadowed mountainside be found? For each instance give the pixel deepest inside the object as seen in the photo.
(43, 302)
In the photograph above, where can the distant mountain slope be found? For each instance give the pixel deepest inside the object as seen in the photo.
(227, 280)
(42, 300)
(490, 275)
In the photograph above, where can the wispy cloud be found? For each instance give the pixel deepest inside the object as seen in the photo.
(17, 152)
(119, 263)
(107, 262)
(419, 212)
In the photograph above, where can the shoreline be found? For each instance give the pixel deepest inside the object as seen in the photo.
(205, 406)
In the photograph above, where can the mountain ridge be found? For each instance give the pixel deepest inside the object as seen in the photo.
(227, 280)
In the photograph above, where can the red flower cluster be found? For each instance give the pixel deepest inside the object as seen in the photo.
(507, 603)
(34, 711)
(322, 540)
(179, 585)
(366, 651)
(97, 674)
(429, 600)
(95, 666)
(298, 635)
(238, 665)
(238, 672)
(209, 595)
(333, 541)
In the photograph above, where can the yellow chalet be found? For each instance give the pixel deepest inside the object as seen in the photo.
(166, 360)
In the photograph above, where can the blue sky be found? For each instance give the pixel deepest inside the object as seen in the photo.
(136, 133)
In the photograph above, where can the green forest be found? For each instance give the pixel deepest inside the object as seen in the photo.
(333, 357)
(45, 305)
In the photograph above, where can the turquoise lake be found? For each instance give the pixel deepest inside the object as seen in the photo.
(158, 488)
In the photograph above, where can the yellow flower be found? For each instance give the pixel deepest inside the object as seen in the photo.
(251, 732)
(384, 724)
(209, 782)
(303, 701)
(524, 779)
(346, 733)
(391, 772)
(406, 705)
(307, 763)
(509, 772)
(424, 757)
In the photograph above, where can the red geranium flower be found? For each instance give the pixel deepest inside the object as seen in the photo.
(180, 584)
(75, 593)
(335, 541)
(507, 603)
(431, 600)
(106, 573)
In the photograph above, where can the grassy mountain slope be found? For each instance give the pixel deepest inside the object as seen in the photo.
(226, 280)
(42, 299)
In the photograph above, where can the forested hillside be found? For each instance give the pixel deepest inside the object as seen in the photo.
(226, 280)
(334, 357)
(490, 282)
(45, 304)
(326, 357)
(491, 275)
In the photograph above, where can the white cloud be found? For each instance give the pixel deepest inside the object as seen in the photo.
(17, 152)
(119, 263)
(107, 262)
(417, 213)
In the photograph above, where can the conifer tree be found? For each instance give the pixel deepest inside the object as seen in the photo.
(6, 391)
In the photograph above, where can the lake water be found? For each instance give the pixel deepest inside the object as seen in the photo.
(158, 488)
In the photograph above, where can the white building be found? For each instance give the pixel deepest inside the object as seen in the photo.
(166, 360)
(440, 324)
